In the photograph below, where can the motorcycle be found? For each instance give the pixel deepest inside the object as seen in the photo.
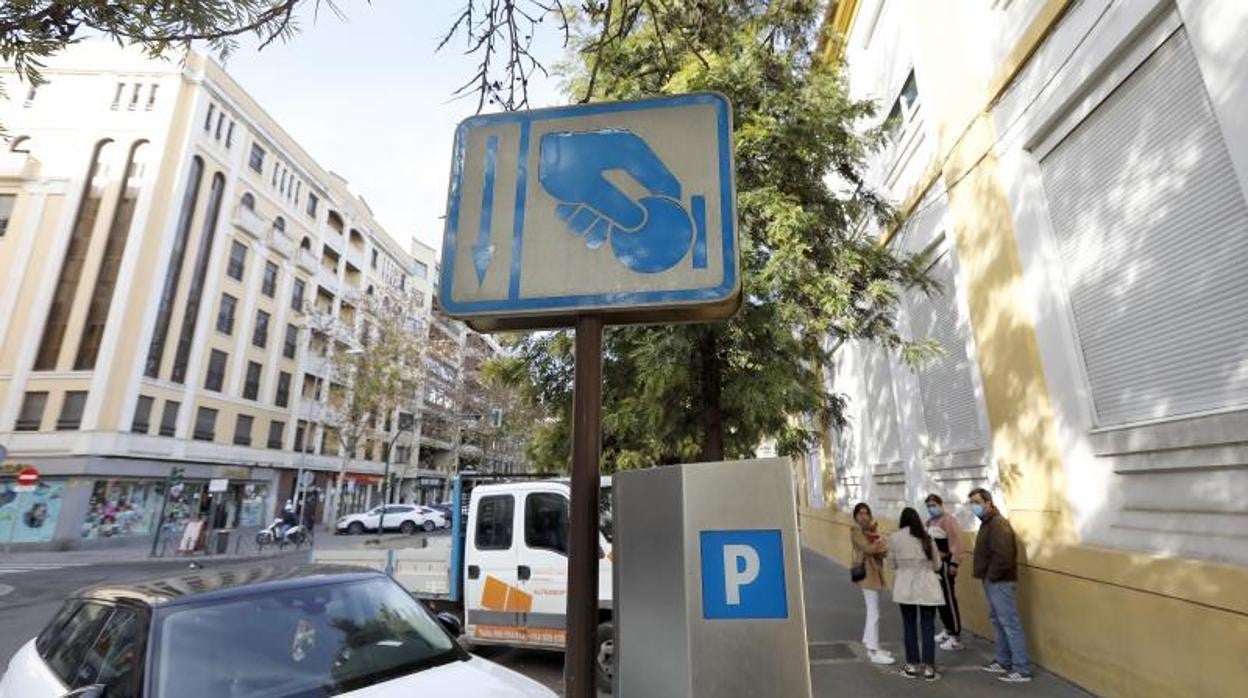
(295, 535)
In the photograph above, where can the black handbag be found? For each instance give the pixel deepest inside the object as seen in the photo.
(857, 573)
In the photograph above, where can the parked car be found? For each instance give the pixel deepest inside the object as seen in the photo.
(406, 518)
(442, 518)
(253, 631)
(446, 508)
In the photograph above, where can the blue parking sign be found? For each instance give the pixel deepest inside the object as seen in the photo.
(743, 575)
(625, 209)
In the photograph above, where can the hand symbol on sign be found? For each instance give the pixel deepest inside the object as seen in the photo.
(649, 235)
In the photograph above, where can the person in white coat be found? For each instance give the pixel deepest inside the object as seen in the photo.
(916, 589)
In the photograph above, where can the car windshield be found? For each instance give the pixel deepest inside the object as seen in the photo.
(299, 643)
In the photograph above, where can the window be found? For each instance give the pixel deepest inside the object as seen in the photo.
(248, 201)
(220, 125)
(31, 416)
(312, 202)
(71, 410)
(282, 399)
(121, 87)
(229, 136)
(301, 431)
(282, 187)
(7, 202)
(156, 349)
(195, 292)
(904, 109)
(112, 660)
(151, 96)
(260, 335)
(216, 371)
(269, 285)
(276, 430)
(546, 522)
(68, 648)
(238, 261)
(142, 415)
(494, 522)
(1160, 337)
(212, 109)
(49, 637)
(251, 387)
(205, 424)
(296, 296)
(422, 270)
(374, 259)
(225, 314)
(290, 345)
(279, 224)
(256, 161)
(169, 418)
(242, 430)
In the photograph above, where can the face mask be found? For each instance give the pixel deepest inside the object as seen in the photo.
(978, 511)
(935, 511)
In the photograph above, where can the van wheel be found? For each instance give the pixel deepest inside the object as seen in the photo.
(604, 657)
(407, 527)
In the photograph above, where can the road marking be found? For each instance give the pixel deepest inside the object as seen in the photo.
(20, 567)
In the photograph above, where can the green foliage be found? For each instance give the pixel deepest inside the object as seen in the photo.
(811, 271)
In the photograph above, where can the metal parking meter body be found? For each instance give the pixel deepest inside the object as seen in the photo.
(708, 587)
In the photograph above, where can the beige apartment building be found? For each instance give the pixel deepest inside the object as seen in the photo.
(162, 243)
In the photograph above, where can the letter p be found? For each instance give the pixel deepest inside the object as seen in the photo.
(737, 575)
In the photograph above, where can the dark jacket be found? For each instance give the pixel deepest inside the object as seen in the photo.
(996, 557)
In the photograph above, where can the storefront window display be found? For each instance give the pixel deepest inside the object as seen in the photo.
(120, 508)
(255, 501)
(30, 517)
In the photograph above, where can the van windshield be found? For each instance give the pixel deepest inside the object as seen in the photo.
(298, 643)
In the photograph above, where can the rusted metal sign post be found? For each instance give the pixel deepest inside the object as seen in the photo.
(610, 213)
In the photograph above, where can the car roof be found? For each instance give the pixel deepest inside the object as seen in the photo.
(214, 584)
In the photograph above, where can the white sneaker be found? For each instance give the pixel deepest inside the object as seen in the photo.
(880, 657)
(941, 637)
(951, 644)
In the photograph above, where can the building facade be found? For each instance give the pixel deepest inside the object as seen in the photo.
(163, 244)
(1078, 173)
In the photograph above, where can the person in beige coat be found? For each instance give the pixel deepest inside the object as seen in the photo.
(916, 589)
(870, 548)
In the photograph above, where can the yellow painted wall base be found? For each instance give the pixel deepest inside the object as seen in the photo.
(1110, 638)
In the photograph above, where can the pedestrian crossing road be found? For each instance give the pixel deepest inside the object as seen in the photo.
(20, 567)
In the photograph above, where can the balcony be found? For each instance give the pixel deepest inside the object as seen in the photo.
(307, 261)
(281, 244)
(247, 221)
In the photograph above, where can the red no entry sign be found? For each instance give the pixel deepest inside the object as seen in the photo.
(28, 477)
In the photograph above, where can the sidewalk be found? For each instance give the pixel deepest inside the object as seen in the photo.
(838, 664)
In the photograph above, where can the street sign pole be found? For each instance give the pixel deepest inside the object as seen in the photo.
(582, 613)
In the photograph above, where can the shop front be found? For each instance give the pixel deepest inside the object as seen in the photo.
(30, 517)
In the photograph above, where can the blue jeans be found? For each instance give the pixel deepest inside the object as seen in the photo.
(1003, 612)
(920, 632)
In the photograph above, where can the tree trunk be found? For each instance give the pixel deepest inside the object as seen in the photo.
(712, 416)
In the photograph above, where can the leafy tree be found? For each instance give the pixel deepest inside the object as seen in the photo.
(375, 370)
(811, 269)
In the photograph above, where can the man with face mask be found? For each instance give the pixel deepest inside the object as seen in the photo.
(947, 534)
(996, 563)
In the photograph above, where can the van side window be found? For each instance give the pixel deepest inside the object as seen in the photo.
(494, 520)
(546, 522)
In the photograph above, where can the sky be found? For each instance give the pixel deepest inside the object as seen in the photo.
(369, 98)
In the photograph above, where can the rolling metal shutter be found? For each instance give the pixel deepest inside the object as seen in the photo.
(1152, 229)
(950, 407)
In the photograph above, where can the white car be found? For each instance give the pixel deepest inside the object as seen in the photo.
(406, 518)
(252, 632)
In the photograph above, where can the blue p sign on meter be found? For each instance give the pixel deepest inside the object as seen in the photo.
(624, 209)
(743, 575)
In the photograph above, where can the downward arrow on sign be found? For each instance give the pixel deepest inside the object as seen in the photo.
(482, 250)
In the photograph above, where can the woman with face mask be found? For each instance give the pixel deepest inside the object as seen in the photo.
(870, 547)
(947, 534)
